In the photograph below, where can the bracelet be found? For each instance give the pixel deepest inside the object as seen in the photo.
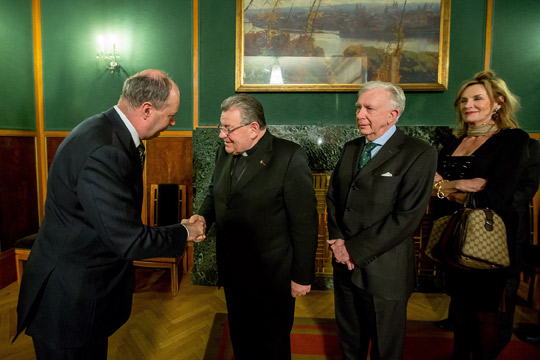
(437, 186)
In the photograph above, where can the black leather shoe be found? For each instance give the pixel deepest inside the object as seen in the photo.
(529, 333)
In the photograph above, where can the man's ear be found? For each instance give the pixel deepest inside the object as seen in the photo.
(394, 114)
(254, 129)
(147, 109)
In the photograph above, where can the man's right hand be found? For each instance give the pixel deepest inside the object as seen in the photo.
(196, 226)
(340, 252)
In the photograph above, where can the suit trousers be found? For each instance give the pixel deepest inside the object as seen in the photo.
(95, 350)
(260, 322)
(362, 317)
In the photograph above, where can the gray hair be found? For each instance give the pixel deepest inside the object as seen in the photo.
(154, 87)
(397, 96)
(251, 109)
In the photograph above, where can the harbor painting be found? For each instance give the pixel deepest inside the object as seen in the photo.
(337, 45)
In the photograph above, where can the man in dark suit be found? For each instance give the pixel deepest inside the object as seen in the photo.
(263, 203)
(77, 285)
(376, 198)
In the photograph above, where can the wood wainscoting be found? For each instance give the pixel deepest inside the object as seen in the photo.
(18, 188)
(169, 160)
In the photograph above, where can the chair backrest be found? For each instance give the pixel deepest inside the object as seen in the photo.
(167, 204)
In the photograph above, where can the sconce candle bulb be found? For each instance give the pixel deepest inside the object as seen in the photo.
(108, 52)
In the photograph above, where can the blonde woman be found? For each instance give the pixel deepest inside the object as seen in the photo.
(482, 162)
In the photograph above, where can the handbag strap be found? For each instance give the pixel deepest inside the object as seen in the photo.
(470, 201)
(489, 219)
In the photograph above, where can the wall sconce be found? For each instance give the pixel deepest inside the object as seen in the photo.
(108, 52)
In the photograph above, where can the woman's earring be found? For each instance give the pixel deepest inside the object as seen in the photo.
(495, 116)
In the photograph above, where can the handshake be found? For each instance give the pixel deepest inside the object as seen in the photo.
(196, 226)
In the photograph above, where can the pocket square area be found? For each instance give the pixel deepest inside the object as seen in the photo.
(388, 174)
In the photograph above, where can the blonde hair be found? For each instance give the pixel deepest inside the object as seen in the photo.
(497, 91)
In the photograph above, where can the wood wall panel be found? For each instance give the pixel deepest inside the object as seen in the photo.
(18, 189)
(170, 160)
(52, 145)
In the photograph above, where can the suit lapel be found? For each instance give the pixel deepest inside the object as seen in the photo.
(256, 161)
(124, 136)
(359, 148)
(126, 142)
(388, 151)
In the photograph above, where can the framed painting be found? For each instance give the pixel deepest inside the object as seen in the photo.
(337, 45)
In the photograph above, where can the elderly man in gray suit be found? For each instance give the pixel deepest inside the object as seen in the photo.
(376, 198)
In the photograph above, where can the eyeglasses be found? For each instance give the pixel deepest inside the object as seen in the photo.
(227, 130)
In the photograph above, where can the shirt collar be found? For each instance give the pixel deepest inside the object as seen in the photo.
(132, 131)
(386, 136)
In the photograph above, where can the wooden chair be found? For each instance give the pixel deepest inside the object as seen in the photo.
(167, 206)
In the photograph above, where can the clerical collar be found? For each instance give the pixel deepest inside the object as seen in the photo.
(244, 154)
(253, 149)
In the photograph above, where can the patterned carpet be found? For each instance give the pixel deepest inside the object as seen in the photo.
(316, 339)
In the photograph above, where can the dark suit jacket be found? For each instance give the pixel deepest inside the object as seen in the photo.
(377, 209)
(78, 281)
(267, 226)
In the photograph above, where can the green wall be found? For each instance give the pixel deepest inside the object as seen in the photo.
(159, 33)
(17, 104)
(77, 85)
(516, 55)
(217, 67)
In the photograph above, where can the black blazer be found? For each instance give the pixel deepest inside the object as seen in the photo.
(267, 225)
(78, 281)
(377, 209)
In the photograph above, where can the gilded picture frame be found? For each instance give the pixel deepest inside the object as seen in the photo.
(337, 45)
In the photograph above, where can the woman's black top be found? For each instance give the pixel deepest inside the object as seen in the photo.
(499, 161)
